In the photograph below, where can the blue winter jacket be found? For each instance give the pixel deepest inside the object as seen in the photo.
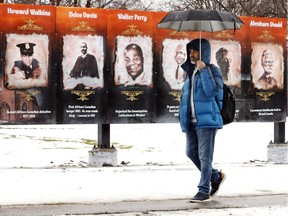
(207, 86)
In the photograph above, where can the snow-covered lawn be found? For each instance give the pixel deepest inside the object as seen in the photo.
(137, 144)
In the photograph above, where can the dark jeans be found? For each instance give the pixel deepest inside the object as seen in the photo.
(200, 149)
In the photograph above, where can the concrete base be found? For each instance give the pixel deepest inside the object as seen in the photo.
(103, 157)
(277, 153)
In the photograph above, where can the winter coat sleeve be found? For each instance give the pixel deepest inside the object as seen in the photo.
(211, 80)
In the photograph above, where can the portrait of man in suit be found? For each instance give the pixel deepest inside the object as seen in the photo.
(83, 60)
(267, 66)
(267, 80)
(85, 65)
(174, 54)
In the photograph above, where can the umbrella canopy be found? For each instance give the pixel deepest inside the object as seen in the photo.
(200, 20)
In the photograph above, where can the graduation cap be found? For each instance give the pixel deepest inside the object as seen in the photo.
(26, 48)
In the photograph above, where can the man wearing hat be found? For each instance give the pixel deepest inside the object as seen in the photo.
(28, 67)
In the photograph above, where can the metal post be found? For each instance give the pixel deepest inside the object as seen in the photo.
(278, 150)
(104, 136)
(279, 132)
(103, 154)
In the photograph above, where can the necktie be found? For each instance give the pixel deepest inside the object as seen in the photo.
(177, 72)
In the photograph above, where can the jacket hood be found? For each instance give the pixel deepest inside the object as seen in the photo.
(205, 52)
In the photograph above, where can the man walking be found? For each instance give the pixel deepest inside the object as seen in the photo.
(200, 116)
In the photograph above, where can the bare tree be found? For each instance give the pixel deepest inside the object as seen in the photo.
(261, 8)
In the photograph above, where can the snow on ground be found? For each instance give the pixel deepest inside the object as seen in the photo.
(137, 144)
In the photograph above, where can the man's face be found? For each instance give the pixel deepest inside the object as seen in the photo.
(267, 63)
(180, 56)
(226, 62)
(84, 48)
(133, 63)
(194, 56)
(27, 59)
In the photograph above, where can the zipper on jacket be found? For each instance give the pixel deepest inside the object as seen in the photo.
(193, 116)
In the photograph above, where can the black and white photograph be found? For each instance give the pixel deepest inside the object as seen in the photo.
(227, 56)
(26, 60)
(267, 66)
(134, 61)
(173, 56)
(83, 62)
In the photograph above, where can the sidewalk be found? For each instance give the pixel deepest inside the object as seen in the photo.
(138, 183)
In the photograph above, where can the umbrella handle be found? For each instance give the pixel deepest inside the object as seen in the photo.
(200, 43)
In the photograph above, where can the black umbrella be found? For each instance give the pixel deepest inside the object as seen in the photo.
(200, 20)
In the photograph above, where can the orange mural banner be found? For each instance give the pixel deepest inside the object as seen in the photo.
(81, 40)
(27, 71)
(131, 63)
(85, 65)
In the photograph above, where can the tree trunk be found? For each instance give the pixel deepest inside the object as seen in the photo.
(75, 4)
(88, 4)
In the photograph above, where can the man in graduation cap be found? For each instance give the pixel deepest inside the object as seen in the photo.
(28, 67)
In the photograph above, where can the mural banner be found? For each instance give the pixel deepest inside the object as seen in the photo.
(251, 60)
(84, 65)
(81, 37)
(263, 95)
(27, 71)
(131, 97)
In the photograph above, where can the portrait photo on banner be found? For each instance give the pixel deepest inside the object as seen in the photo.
(83, 62)
(227, 56)
(26, 61)
(133, 61)
(267, 66)
(174, 54)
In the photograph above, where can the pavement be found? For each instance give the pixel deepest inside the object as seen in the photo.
(101, 187)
